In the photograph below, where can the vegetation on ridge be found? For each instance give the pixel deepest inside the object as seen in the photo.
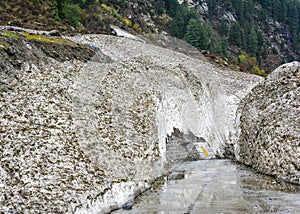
(266, 32)
(250, 33)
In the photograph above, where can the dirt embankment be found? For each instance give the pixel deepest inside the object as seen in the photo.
(19, 47)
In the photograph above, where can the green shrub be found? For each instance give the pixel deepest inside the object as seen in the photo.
(275, 51)
(49, 39)
(117, 15)
(72, 14)
(10, 34)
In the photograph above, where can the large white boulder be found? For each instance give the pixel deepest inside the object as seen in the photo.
(270, 125)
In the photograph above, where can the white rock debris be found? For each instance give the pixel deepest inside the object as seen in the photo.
(73, 133)
(43, 168)
(125, 110)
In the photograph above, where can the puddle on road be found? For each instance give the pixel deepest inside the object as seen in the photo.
(218, 186)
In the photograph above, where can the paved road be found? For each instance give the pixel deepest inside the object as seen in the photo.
(218, 186)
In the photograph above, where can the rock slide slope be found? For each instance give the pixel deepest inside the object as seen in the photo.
(125, 110)
(87, 136)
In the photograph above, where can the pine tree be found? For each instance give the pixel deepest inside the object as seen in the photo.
(159, 7)
(72, 14)
(224, 46)
(223, 29)
(252, 42)
(293, 23)
(192, 33)
(197, 34)
(235, 34)
(281, 10)
(177, 26)
(219, 50)
(212, 7)
(171, 7)
(248, 11)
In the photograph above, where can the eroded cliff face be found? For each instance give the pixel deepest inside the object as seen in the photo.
(270, 125)
(87, 137)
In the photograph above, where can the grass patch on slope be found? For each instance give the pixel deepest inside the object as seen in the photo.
(39, 38)
(49, 39)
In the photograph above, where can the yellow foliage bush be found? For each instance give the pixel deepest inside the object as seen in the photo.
(3, 45)
(107, 8)
(242, 57)
(247, 61)
(127, 22)
(111, 11)
(258, 71)
(250, 63)
(137, 28)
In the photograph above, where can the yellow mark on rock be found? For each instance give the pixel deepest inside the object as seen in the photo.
(205, 152)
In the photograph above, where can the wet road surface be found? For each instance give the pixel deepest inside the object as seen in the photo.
(217, 186)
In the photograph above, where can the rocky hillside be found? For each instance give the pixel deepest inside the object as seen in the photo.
(255, 36)
(254, 32)
(30, 14)
(82, 136)
(73, 16)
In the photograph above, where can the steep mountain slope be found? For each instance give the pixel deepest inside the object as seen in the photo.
(266, 32)
(255, 35)
(33, 14)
